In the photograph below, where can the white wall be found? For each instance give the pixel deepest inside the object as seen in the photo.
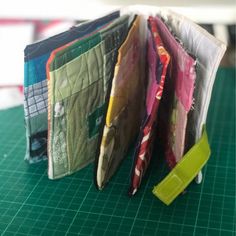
(207, 11)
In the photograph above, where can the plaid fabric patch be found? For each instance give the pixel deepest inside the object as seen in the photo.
(36, 100)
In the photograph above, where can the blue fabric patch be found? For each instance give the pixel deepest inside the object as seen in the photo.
(35, 70)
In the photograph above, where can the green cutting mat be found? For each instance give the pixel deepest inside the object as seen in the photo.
(30, 204)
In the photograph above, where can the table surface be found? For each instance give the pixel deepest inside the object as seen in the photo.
(31, 204)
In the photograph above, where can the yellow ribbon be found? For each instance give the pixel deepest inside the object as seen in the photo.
(184, 172)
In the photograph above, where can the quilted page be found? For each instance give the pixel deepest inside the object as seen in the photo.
(178, 96)
(35, 84)
(209, 51)
(125, 108)
(158, 61)
(79, 79)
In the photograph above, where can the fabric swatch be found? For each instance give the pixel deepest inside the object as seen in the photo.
(35, 84)
(78, 83)
(126, 106)
(209, 51)
(158, 61)
(182, 78)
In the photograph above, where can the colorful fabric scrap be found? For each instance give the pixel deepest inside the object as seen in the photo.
(35, 84)
(78, 82)
(158, 61)
(182, 75)
(125, 108)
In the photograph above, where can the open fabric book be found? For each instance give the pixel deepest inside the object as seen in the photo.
(94, 90)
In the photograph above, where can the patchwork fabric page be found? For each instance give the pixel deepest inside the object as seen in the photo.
(78, 84)
(125, 107)
(35, 84)
(158, 61)
(182, 75)
(209, 51)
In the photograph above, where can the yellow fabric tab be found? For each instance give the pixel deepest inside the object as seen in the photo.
(184, 172)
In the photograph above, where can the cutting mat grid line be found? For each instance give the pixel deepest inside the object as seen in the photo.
(31, 204)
